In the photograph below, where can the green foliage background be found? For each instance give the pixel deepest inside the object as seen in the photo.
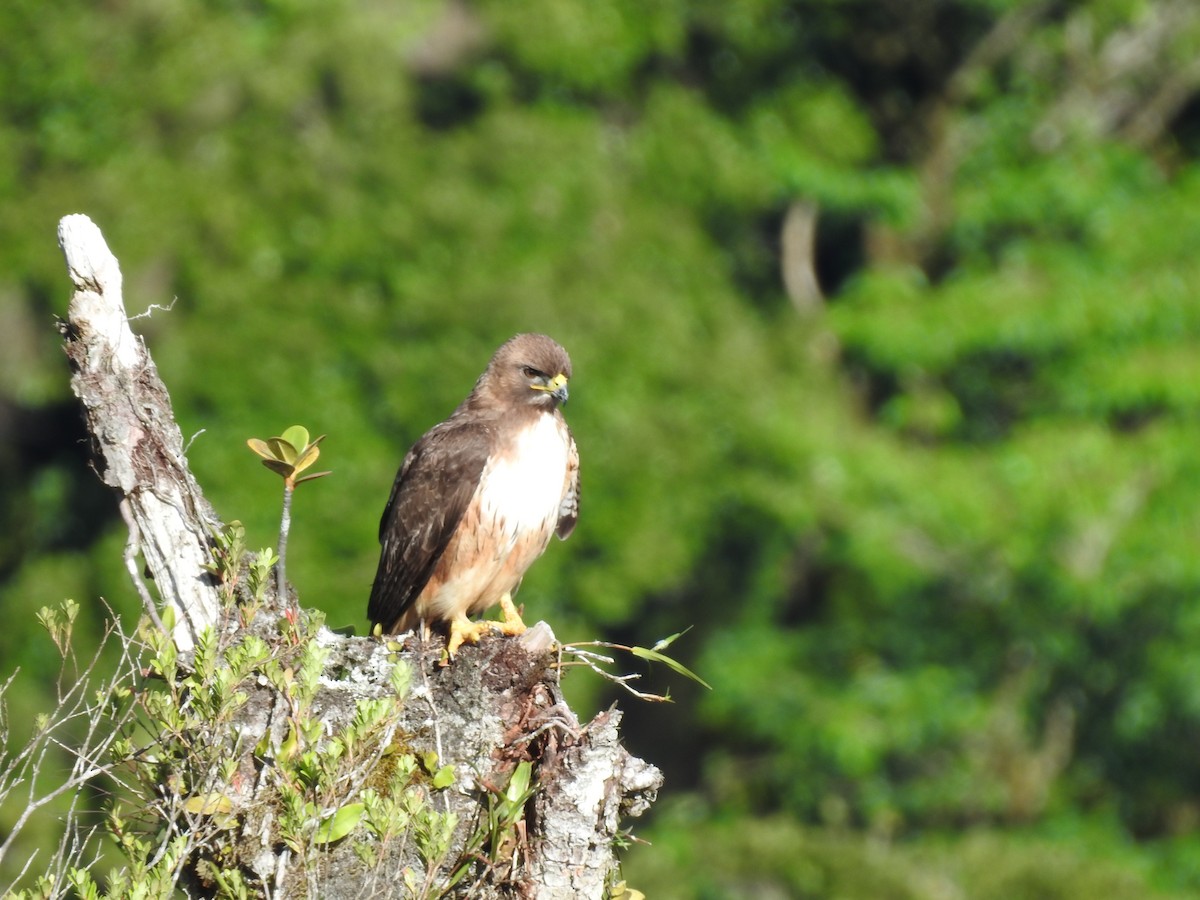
(937, 538)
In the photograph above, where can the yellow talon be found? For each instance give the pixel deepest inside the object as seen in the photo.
(463, 630)
(512, 623)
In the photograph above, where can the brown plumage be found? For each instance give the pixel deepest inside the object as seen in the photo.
(478, 497)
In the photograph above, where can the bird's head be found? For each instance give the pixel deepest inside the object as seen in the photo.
(530, 369)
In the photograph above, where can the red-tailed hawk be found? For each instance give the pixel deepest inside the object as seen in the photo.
(478, 497)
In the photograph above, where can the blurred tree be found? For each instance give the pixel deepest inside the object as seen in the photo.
(937, 538)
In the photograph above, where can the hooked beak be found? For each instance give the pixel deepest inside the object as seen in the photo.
(556, 387)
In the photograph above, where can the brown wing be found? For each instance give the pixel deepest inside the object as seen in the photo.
(568, 510)
(429, 497)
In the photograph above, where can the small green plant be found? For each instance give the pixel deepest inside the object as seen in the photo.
(60, 623)
(187, 782)
(596, 661)
(258, 572)
(231, 564)
(621, 891)
(228, 549)
(288, 455)
(196, 767)
(506, 814)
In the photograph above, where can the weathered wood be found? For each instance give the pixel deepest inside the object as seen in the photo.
(137, 444)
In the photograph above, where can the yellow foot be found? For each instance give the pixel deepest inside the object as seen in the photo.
(462, 630)
(512, 623)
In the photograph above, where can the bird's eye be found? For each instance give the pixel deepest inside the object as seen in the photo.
(531, 372)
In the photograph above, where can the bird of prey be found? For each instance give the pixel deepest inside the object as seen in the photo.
(478, 497)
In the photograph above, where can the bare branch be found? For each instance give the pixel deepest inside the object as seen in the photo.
(593, 660)
(87, 702)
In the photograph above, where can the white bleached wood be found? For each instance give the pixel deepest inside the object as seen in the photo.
(137, 443)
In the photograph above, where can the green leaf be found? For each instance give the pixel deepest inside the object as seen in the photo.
(340, 824)
(443, 777)
(297, 436)
(263, 747)
(668, 641)
(208, 804)
(290, 745)
(518, 784)
(620, 891)
(282, 449)
(679, 667)
(401, 678)
(312, 730)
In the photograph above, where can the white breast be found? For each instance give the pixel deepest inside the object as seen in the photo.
(523, 488)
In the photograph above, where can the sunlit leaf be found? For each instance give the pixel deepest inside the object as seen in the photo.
(429, 761)
(307, 457)
(290, 745)
(282, 449)
(263, 747)
(297, 436)
(622, 891)
(339, 824)
(668, 641)
(679, 667)
(261, 448)
(208, 804)
(518, 784)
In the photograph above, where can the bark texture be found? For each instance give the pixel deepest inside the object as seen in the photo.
(496, 706)
(136, 443)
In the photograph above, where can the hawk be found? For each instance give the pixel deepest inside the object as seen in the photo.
(478, 497)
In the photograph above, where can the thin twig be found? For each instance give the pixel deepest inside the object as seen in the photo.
(591, 661)
(188, 446)
(153, 307)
